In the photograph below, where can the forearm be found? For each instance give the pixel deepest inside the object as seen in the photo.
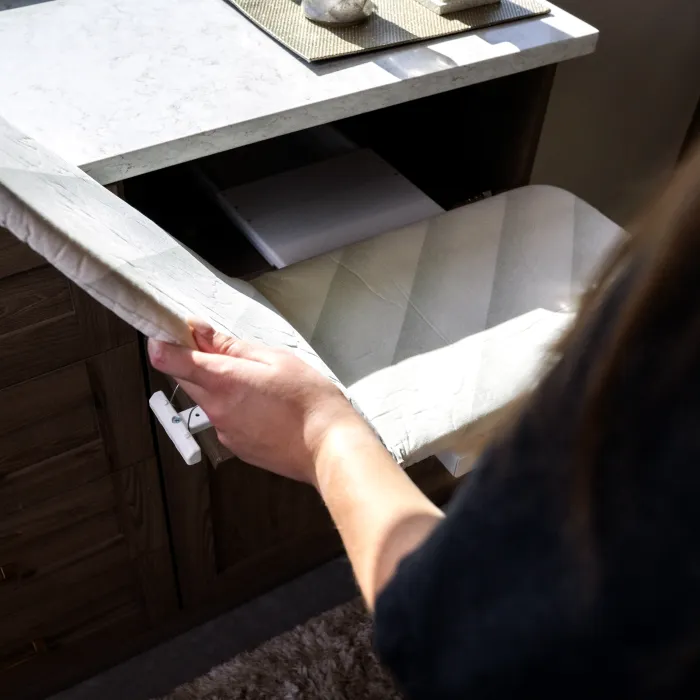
(298, 424)
(380, 513)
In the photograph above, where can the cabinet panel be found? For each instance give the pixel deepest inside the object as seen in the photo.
(85, 564)
(50, 426)
(40, 400)
(46, 322)
(37, 607)
(37, 349)
(87, 569)
(35, 297)
(120, 399)
(25, 557)
(15, 256)
(50, 526)
(253, 511)
(239, 531)
(41, 420)
(39, 441)
(25, 487)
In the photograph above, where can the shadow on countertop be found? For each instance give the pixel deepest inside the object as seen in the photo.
(16, 4)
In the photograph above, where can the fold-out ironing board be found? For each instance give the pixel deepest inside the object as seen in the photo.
(430, 329)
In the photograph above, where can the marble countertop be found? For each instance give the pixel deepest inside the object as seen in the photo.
(124, 87)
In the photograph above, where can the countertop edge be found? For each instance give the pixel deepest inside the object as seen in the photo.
(188, 148)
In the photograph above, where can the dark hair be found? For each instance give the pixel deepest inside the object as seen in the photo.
(659, 263)
(661, 302)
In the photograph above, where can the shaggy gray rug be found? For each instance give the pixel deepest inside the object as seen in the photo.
(330, 657)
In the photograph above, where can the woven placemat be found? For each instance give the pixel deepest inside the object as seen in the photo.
(395, 22)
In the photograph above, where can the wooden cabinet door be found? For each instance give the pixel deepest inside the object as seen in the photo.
(45, 321)
(238, 531)
(85, 562)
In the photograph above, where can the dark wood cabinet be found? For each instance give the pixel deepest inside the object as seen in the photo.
(84, 550)
(238, 531)
(45, 321)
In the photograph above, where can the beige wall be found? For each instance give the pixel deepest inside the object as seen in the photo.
(617, 119)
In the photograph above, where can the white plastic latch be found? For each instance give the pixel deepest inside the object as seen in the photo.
(181, 426)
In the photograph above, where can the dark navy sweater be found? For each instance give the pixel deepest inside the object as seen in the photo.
(499, 603)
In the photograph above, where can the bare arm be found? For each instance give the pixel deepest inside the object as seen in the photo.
(274, 411)
(380, 513)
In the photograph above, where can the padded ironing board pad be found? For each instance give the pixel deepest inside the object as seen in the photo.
(395, 22)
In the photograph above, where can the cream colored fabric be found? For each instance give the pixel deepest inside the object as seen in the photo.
(422, 405)
(123, 259)
(399, 318)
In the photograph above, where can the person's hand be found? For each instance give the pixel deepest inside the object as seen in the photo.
(269, 407)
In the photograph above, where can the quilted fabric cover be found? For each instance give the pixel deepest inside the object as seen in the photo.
(123, 259)
(400, 318)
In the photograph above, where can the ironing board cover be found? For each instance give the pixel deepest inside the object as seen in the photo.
(124, 260)
(395, 317)
(436, 325)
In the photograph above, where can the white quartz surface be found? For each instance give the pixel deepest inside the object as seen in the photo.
(123, 87)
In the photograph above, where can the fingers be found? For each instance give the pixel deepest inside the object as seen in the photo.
(211, 372)
(199, 395)
(203, 334)
(211, 341)
(184, 364)
(219, 409)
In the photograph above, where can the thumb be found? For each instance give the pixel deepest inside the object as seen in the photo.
(204, 335)
(211, 341)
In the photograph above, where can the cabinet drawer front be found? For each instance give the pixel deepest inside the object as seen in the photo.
(62, 340)
(71, 426)
(57, 529)
(44, 418)
(26, 487)
(84, 563)
(46, 323)
(35, 297)
(39, 327)
(65, 563)
(16, 256)
(37, 349)
(57, 608)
